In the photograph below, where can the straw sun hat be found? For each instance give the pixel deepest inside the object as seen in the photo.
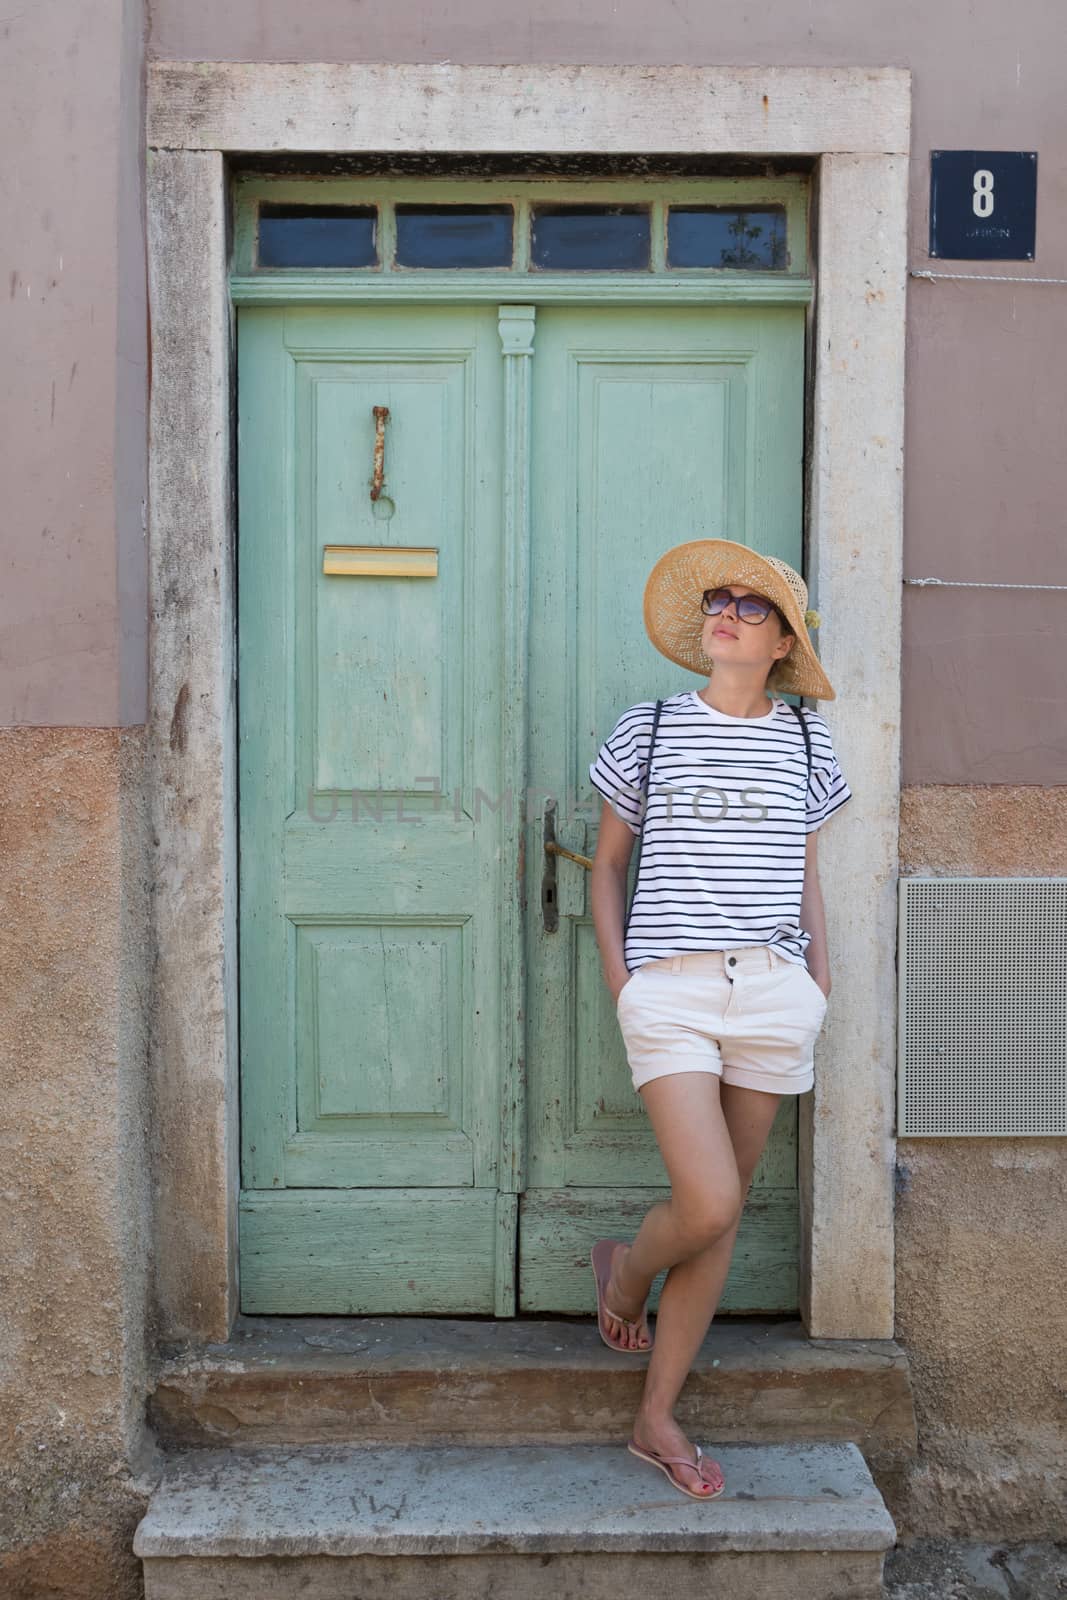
(675, 621)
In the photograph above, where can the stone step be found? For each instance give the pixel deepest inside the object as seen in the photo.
(398, 1380)
(511, 1522)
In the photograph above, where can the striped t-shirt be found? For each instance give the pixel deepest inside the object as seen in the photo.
(729, 805)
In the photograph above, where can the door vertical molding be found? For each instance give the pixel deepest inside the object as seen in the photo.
(516, 325)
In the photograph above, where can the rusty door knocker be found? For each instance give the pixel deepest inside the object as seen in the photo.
(381, 414)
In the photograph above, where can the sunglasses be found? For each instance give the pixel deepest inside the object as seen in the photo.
(750, 607)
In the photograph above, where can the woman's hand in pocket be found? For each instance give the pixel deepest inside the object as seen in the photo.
(618, 981)
(822, 979)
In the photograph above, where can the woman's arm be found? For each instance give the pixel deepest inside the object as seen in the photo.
(813, 917)
(611, 863)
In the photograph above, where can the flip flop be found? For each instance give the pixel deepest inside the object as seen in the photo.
(663, 1463)
(600, 1257)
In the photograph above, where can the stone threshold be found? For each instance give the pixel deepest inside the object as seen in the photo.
(577, 1522)
(342, 1500)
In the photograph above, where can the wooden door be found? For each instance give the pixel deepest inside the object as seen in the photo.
(369, 903)
(651, 426)
(379, 1146)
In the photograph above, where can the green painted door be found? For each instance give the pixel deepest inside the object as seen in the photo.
(369, 942)
(650, 426)
(382, 1134)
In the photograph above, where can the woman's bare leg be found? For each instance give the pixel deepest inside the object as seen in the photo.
(688, 1118)
(711, 1136)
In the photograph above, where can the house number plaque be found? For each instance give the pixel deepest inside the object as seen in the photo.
(983, 204)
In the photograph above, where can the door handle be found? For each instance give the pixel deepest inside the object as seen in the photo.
(552, 849)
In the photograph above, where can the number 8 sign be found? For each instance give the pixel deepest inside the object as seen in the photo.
(983, 204)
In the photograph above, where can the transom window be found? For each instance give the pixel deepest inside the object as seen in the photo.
(678, 227)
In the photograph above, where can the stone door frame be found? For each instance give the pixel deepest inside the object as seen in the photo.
(855, 123)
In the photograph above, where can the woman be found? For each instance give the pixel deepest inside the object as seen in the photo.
(721, 978)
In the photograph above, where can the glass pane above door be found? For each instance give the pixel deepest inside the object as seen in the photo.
(590, 238)
(454, 236)
(745, 237)
(317, 236)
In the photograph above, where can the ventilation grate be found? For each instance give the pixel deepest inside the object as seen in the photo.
(982, 1041)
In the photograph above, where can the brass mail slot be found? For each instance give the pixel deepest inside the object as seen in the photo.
(379, 561)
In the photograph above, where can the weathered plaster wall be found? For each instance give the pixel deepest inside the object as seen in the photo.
(74, 1129)
(74, 887)
(981, 1241)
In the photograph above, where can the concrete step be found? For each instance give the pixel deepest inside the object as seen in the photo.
(513, 1522)
(398, 1380)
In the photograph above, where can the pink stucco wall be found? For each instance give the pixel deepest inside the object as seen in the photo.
(73, 350)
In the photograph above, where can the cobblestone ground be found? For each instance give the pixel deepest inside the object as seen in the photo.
(947, 1569)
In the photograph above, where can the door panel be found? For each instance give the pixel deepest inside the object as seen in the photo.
(369, 902)
(651, 426)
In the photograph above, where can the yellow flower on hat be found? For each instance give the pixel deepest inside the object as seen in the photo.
(811, 619)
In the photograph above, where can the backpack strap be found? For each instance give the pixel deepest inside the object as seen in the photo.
(644, 808)
(802, 719)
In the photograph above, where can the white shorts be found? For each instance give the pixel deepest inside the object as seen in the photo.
(748, 1015)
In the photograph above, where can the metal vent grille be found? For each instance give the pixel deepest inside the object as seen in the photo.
(982, 1040)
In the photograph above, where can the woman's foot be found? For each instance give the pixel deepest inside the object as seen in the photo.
(665, 1437)
(627, 1305)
